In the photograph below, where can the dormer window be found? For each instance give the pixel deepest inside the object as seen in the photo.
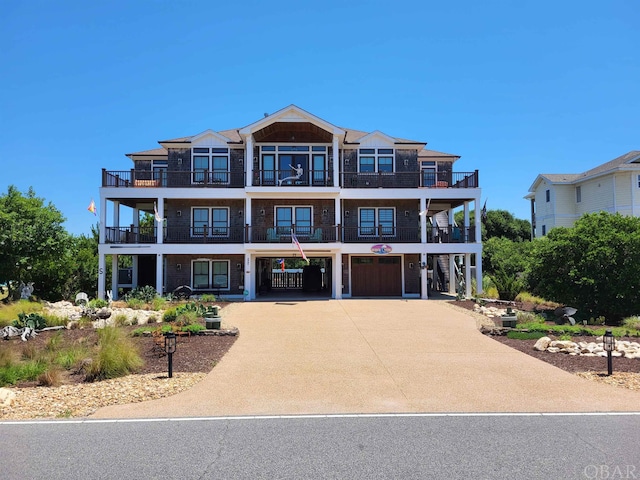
(210, 165)
(375, 160)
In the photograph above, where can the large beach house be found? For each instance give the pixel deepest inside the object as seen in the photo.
(372, 213)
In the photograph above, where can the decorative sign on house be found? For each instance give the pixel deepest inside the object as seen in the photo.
(381, 249)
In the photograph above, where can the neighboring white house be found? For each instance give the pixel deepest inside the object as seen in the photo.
(373, 213)
(558, 200)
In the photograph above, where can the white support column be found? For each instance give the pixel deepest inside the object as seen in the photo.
(467, 274)
(479, 288)
(102, 219)
(336, 161)
(102, 276)
(134, 273)
(424, 276)
(159, 273)
(248, 162)
(249, 282)
(114, 276)
(465, 235)
(336, 281)
(451, 217)
(338, 215)
(452, 274)
(478, 220)
(247, 215)
(116, 214)
(160, 225)
(423, 221)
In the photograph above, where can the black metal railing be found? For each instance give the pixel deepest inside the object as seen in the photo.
(130, 234)
(382, 234)
(291, 178)
(409, 179)
(323, 234)
(172, 179)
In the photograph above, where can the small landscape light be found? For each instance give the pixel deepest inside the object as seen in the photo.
(170, 348)
(609, 344)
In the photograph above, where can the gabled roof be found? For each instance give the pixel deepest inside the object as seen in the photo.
(572, 178)
(425, 154)
(156, 152)
(292, 113)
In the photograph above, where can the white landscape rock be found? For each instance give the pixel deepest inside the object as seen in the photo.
(623, 348)
(6, 397)
(542, 344)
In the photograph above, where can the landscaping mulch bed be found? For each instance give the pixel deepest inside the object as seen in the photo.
(566, 362)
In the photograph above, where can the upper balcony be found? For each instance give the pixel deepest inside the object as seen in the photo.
(172, 179)
(287, 178)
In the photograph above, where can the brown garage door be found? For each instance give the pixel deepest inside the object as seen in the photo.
(376, 276)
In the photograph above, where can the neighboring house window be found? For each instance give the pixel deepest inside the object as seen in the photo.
(210, 165)
(578, 194)
(286, 217)
(375, 160)
(204, 217)
(638, 181)
(544, 229)
(210, 274)
(548, 195)
(429, 173)
(374, 221)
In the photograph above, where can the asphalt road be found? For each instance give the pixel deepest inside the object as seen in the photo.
(537, 446)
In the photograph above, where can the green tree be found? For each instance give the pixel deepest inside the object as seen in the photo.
(506, 262)
(32, 241)
(592, 266)
(500, 223)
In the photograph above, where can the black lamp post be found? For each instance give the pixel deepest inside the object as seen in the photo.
(609, 344)
(170, 348)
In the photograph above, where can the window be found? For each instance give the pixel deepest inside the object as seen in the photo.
(638, 181)
(544, 229)
(215, 217)
(210, 274)
(293, 165)
(578, 194)
(210, 165)
(371, 160)
(287, 217)
(429, 173)
(548, 195)
(376, 221)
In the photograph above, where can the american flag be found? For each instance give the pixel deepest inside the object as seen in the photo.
(294, 239)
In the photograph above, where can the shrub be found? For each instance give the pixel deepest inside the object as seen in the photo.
(146, 294)
(135, 303)
(208, 298)
(52, 377)
(193, 328)
(158, 303)
(55, 321)
(153, 319)
(31, 320)
(528, 317)
(17, 372)
(121, 320)
(98, 303)
(186, 318)
(116, 356)
(170, 315)
(525, 335)
(632, 322)
(70, 357)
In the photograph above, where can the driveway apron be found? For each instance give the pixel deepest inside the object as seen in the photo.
(373, 356)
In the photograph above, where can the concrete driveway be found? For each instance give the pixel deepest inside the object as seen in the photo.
(374, 356)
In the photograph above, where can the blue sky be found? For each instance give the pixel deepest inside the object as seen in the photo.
(514, 88)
